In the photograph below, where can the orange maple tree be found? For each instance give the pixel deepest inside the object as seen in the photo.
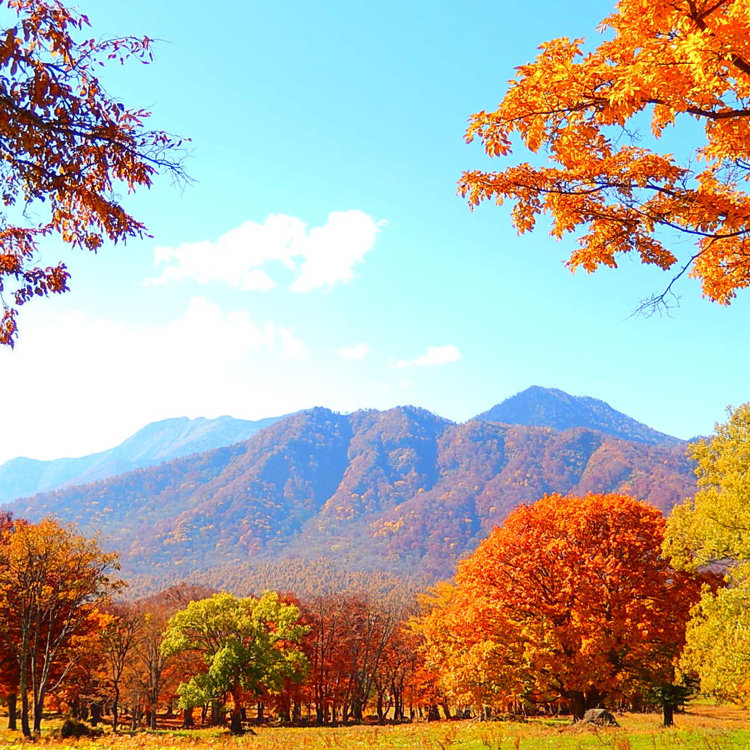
(574, 601)
(663, 60)
(65, 146)
(51, 583)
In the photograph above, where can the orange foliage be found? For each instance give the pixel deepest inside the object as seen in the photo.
(670, 60)
(51, 583)
(66, 146)
(571, 599)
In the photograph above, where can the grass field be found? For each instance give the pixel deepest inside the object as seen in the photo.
(703, 727)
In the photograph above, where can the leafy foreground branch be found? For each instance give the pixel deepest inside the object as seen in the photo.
(667, 61)
(66, 148)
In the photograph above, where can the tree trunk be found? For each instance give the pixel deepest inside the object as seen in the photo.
(577, 705)
(235, 720)
(38, 709)
(12, 702)
(25, 729)
(96, 714)
(667, 714)
(187, 718)
(235, 726)
(398, 706)
(116, 707)
(215, 713)
(379, 708)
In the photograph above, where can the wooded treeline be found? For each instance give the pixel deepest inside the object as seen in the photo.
(189, 649)
(191, 656)
(574, 603)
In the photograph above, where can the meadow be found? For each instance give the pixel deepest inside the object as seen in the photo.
(702, 727)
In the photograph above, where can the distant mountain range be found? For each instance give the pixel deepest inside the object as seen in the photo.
(401, 489)
(157, 442)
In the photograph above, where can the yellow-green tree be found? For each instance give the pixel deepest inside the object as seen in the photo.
(246, 644)
(713, 529)
(668, 61)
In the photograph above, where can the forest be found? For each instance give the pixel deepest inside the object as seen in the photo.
(573, 603)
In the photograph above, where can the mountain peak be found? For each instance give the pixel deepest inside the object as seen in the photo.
(551, 407)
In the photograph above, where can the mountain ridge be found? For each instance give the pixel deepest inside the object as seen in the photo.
(399, 489)
(156, 442)
(550, 407)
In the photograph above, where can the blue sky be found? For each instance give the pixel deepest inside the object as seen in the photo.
(322, 257)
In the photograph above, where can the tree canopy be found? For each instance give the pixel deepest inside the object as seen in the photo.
(246, 644)
(713, 529)
(666, 61)
(569, 599)
(51, 582)
(66, 146)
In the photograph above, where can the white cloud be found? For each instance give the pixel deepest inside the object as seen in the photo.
(358, 351)
(330, 252)
(319, 257)
(436, 355)
(291, 345)
(258, 280)
(97, 381)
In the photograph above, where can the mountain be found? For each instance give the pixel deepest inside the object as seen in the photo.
(401, 489)
(156, 442)
(549, 407)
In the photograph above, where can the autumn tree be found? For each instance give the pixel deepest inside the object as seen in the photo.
(79, 677)
(67, 146)
(712, 529)
(149, 676)
(51, 581)
(667, 61)
(397, 673)
(471, 651)
(246, 644)
(120, 636)
(8, 663)
(572, 599)
(349, 632)
(325, 647)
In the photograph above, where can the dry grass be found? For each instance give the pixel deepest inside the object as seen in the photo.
(703, 727)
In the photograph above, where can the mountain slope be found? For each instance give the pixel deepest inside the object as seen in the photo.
(549, 407)
(401, 489)
(156, 442)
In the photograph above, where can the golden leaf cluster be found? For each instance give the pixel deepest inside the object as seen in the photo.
(663, 60)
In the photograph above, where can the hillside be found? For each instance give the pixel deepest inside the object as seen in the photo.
(549, 407)
(156, 442)
(401, 489)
